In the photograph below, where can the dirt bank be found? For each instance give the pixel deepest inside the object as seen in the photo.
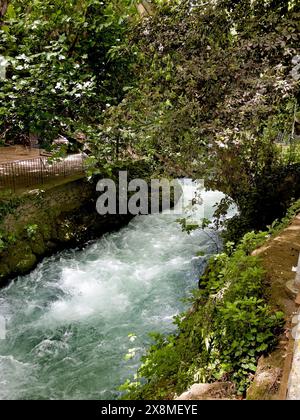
(41, 223)
(278, 255)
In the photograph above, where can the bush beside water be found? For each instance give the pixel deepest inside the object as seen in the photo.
(228, 328)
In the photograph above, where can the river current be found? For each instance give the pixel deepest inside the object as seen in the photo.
(71, 322)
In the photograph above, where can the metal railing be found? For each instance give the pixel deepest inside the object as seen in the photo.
(29, 173)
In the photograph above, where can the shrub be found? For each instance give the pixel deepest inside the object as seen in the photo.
(229, 327)
(31, 231)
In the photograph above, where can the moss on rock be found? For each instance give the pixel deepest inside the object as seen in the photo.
(37, 245)
(63, 216)
(20, 258)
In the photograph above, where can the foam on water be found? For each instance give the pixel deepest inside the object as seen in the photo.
(68, 321)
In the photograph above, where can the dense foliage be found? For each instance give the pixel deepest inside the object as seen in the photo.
(204, 88)
(229, 327)
(62, 71)
(215, 97)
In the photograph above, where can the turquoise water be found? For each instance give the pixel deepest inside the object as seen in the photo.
(68, 321)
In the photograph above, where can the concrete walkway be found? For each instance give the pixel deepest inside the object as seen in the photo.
(14, 153)
(294, 380)
(21, 175)
(293, 388)
(279, 255)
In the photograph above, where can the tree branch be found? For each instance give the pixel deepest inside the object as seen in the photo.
(3, 9)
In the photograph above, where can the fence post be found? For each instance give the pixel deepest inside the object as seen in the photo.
(297, 279)
(30, 172)
(42, 177)
(117, 148)
(14, 177)
(82, 163)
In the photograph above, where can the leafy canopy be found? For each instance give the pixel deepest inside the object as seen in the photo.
(61, 74)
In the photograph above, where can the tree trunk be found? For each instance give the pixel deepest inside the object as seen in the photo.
(3, 9)
(145, 8)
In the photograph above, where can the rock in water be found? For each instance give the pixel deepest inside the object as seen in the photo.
(214, 391)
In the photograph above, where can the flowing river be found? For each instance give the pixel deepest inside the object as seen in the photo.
(68, 322)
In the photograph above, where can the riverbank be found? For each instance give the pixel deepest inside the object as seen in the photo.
(279, 255)
(237, 336)
(42, 222)
(230, 325)
(79, 323)
(236, 316)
